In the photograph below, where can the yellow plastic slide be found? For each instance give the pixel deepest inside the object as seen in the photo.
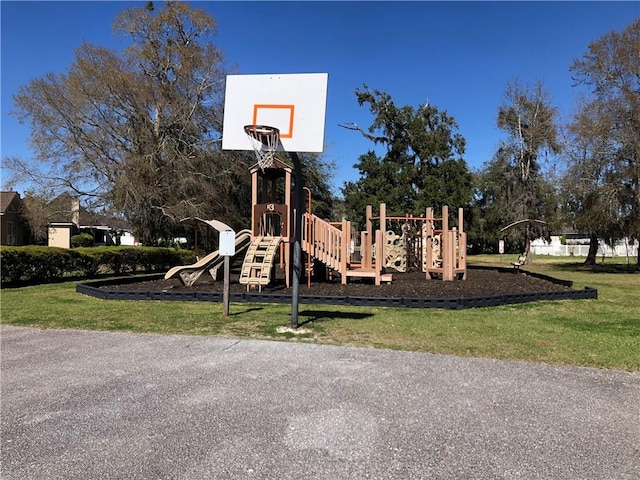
(188, 274)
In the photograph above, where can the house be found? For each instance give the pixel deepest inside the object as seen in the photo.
(13, 228)
(106, 230)
(59, 234)
(72, 219)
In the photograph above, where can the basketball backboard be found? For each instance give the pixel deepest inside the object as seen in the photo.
(293, 103)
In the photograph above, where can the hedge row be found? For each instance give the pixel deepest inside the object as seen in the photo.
(35, 264)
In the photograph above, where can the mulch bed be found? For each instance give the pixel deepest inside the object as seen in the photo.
(404, 285)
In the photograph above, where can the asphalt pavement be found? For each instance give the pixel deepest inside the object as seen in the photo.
(98, 405)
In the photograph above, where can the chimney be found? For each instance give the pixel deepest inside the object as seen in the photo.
(75, 212)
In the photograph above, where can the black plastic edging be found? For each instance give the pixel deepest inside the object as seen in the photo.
(454, 303)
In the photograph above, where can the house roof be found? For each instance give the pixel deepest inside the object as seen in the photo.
(6, 198)
(61, 208)
(65, 204)
(88, 220)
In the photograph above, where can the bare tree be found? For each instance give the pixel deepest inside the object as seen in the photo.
(37, 214)
(522, 191)
(140, 130)
(603, 174)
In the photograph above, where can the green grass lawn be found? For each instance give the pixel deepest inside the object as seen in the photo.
(602, 333)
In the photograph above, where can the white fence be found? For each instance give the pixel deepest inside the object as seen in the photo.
(621, 249)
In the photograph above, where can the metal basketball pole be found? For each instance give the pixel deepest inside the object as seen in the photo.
(297, 247)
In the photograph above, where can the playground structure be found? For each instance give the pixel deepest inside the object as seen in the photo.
(286, 113)
(271, 221)
(445, 249)
(425, 242)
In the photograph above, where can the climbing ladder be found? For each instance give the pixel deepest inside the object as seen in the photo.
(256, 268)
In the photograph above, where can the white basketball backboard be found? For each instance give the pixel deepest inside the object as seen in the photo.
(293, 103)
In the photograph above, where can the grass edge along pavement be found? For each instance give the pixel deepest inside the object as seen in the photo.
(603, 333)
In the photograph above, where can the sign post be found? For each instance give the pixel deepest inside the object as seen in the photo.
(501, 249)
(227, 249)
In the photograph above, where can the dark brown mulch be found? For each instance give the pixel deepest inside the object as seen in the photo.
(408, 285)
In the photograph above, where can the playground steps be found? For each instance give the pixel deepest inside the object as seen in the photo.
(256, 268)
(368, 273)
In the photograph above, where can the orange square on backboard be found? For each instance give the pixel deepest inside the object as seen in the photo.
(263, 115)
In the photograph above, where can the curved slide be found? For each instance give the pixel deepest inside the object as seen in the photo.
(188, 274)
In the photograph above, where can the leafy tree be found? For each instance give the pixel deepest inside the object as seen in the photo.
(494, 195)
(138, 131)
(498, 189)
(422, 166)
(513, 186)
(603, 175)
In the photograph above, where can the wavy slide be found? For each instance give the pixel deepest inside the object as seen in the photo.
(188, 274)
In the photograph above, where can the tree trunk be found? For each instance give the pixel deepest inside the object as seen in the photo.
(593, 251)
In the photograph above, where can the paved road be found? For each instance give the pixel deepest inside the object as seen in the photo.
(95, 405)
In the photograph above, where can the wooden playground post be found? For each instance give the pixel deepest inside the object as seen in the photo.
(367, 255)
(365, 250)
(445, 246)
(379, 256)
(254, 201)
(428, 242)
(291, 226)
(307, 232)
(380, 250)
(383, 217)
(448, 254)
(462, 244)
(369, 224)
(453, 244)
(344, 250)
(445, 218)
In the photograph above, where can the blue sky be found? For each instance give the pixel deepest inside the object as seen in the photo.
(457, 55)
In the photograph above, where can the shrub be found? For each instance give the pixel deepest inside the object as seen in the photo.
(109, 259)
(45, 264)
(50, 263)
(82, 240)
(12, 261)
(86, 261)
(32, 262)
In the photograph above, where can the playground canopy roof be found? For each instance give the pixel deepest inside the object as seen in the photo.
(526, 221)
(215, 224)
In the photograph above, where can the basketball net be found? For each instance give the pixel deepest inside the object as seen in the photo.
(264, 140)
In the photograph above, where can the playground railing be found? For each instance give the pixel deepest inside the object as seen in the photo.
(325, 242)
